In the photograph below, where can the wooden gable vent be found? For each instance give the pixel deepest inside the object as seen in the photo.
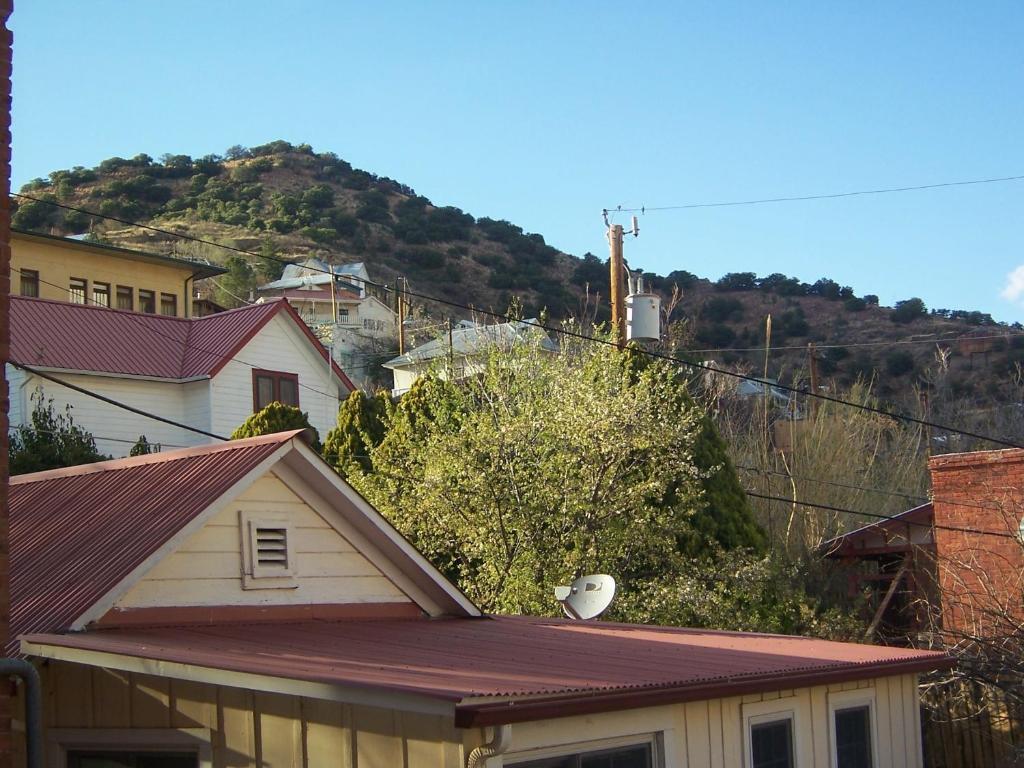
(269, 555)
(271, 548)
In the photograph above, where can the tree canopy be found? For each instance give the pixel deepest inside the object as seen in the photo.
(276, 417)
(541, 468)
(50, 441)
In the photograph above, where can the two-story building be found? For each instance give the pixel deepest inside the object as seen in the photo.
(81, 272)
(353, 303)
(208, 374)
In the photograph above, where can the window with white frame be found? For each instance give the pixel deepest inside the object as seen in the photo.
(269, 551)
(770, 730)
(629, 752)
(852, 729)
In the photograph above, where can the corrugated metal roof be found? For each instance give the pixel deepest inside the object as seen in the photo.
(459, 660)
(79, 337)
(845, 544)
(472, 339)
(76, 532)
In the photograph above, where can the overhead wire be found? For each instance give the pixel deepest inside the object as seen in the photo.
(879, 516)
(864, 489)
(563, 331)
(853, 344)
(184, 344)
(831, 196)
(116, 403)
(574, 334)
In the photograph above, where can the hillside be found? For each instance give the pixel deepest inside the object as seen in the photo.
(289, 201)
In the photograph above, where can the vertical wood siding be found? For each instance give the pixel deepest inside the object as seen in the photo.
(266, 730)
(251, 729)
(207, 568)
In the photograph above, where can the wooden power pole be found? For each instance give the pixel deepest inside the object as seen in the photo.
(400, 309)
(618, 293)
(812, 362)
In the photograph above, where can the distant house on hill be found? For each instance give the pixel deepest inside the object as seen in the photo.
(210, 373)
(81, 272)
(354, 304)
(239, 605)
(466, 346)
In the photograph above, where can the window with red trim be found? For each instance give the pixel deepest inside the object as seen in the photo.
(274, 386)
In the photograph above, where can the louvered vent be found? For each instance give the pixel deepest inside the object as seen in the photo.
(271, 548)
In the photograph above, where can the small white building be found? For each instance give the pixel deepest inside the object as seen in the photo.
(354, 303)
(210, 373)
(466, 346)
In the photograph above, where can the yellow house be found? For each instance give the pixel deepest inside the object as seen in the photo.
(240, 605)
(65, 269)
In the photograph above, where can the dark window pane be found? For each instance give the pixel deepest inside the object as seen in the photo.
(30, 283)
(622, 757)
(264, 392)
(124, 297)
(771, 744)
(147, 302)
(118, 759)
(289, 391)
(168, 304)
(853, 738)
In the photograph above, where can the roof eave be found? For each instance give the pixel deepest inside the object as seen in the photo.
(471, 714)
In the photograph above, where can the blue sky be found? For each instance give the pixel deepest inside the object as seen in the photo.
(544, 113)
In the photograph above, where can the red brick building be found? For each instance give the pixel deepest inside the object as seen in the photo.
(956, 563)
(980, 567)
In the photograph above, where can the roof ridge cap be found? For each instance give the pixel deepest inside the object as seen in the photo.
(130, 462)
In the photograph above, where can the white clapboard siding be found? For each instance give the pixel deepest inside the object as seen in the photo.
(115, 429)
(279, 346)
(207, 568)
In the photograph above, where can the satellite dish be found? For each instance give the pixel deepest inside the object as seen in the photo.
(587, 597)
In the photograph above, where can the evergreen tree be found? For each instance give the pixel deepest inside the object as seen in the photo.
(52, 440)
(276, 417)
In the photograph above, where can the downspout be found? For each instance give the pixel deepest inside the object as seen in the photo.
(33, 707)
(188, 296)
(498, 745)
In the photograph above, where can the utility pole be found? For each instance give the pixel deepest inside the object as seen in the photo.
(812, 362)
(451, 353)
(618, 295)
(400, 309)
(617, 267)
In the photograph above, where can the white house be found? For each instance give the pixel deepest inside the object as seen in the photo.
(240, 605)
(466, 346)
(209, 373)
(354, 304)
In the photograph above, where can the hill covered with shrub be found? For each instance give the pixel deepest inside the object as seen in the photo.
(287, 201)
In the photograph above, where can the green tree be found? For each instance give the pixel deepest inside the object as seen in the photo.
(908, 310)
(359, 430)
(142, 447)
(276, 417)
(52, 440)
(541, 468)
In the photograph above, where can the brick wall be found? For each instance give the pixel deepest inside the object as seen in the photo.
(6, 7)
(981, 576)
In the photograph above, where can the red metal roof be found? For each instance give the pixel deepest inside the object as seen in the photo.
(79, 337)
(559, 664)
(76, 532)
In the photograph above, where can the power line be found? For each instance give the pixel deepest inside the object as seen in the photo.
(799, 198)
(17, 427)
(116, 403)
(184, 344)
(843, 510)
(851, 344)
(865, 489)
(550, 329)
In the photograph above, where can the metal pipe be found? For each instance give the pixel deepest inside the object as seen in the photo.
(498, 745)
(29, 677)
